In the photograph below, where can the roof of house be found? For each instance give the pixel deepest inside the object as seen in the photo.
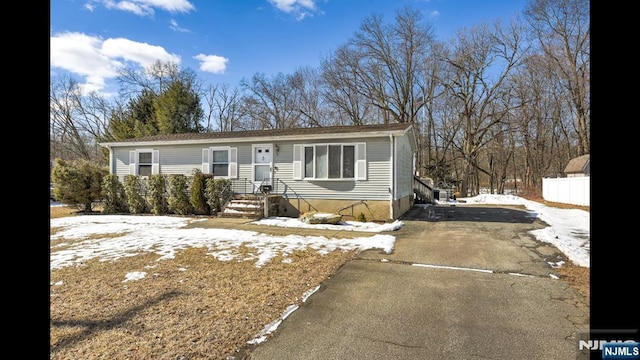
(577, 165)
(269, 134)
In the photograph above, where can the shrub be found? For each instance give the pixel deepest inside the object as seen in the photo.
(77, 182)
(157, 194)
(197, 193)
(113, 194)
(179, 195)
(361, 217)
(134, 190)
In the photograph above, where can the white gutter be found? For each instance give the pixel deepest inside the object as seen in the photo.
(255, 139)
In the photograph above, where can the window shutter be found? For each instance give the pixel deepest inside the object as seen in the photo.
(155, 162)
(297, 162)
(233, 163)
(361, 161)
(133, 169)
(206, 166)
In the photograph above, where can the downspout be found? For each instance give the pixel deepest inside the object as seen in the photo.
(392, 188)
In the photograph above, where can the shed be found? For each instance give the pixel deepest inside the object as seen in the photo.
(578, 166)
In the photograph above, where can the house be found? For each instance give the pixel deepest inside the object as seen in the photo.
(338, 169)
(578, 167)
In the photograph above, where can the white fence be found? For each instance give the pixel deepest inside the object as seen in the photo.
(569, 190)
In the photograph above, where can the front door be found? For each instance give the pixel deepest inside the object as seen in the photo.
(262, 165)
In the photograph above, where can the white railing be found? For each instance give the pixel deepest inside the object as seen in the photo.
(569, 190)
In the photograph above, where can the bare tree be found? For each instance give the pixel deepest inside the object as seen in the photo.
(225, 106)
(375, 76)
(271, 102)
(341, 88)
(430, 111)
(76, 120)
(541, 132)
(154, 78)
(563, 31)
(391, 62)
(480, 60)
(307, 84)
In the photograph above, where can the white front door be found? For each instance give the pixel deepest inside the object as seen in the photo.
(262, 164)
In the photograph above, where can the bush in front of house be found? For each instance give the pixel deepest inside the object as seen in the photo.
(77, 182)
(157, 194)
(134, 191)
(113, 195)
(197, 194)
(179, 195)
(216, 191)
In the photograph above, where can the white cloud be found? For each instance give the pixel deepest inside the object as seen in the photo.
(82, 55)
(141, 53)
(146, 7)
(298, 8)
(174, 26)
(97, 60)
(212, 63)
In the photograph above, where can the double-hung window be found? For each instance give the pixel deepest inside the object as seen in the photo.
(144, 162)
(330, 161)
(220, 161)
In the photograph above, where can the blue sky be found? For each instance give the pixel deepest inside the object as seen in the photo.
(225, 41)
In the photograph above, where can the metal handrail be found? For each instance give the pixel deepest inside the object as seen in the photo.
(423, 188)
(287, 188)
(352, 206)
(226, 194)
(240, 186)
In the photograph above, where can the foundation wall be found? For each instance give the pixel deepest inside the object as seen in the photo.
(373, 210)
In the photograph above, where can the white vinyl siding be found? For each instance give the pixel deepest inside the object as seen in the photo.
(404, 168)
(288, 167)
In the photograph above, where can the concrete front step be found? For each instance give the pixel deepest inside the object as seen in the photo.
(243, 208)
(251, 207)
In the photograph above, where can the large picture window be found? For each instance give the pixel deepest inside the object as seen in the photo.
(329, 161)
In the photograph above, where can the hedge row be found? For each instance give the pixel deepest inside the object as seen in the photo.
(160, 194)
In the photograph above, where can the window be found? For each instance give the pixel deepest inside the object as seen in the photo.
(144, 162)
(329, 161)
(220, 161)
(308, 161)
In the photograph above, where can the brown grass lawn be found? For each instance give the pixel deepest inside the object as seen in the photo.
(190, 307)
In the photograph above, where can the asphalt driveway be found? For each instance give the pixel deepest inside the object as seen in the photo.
(463, 282)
